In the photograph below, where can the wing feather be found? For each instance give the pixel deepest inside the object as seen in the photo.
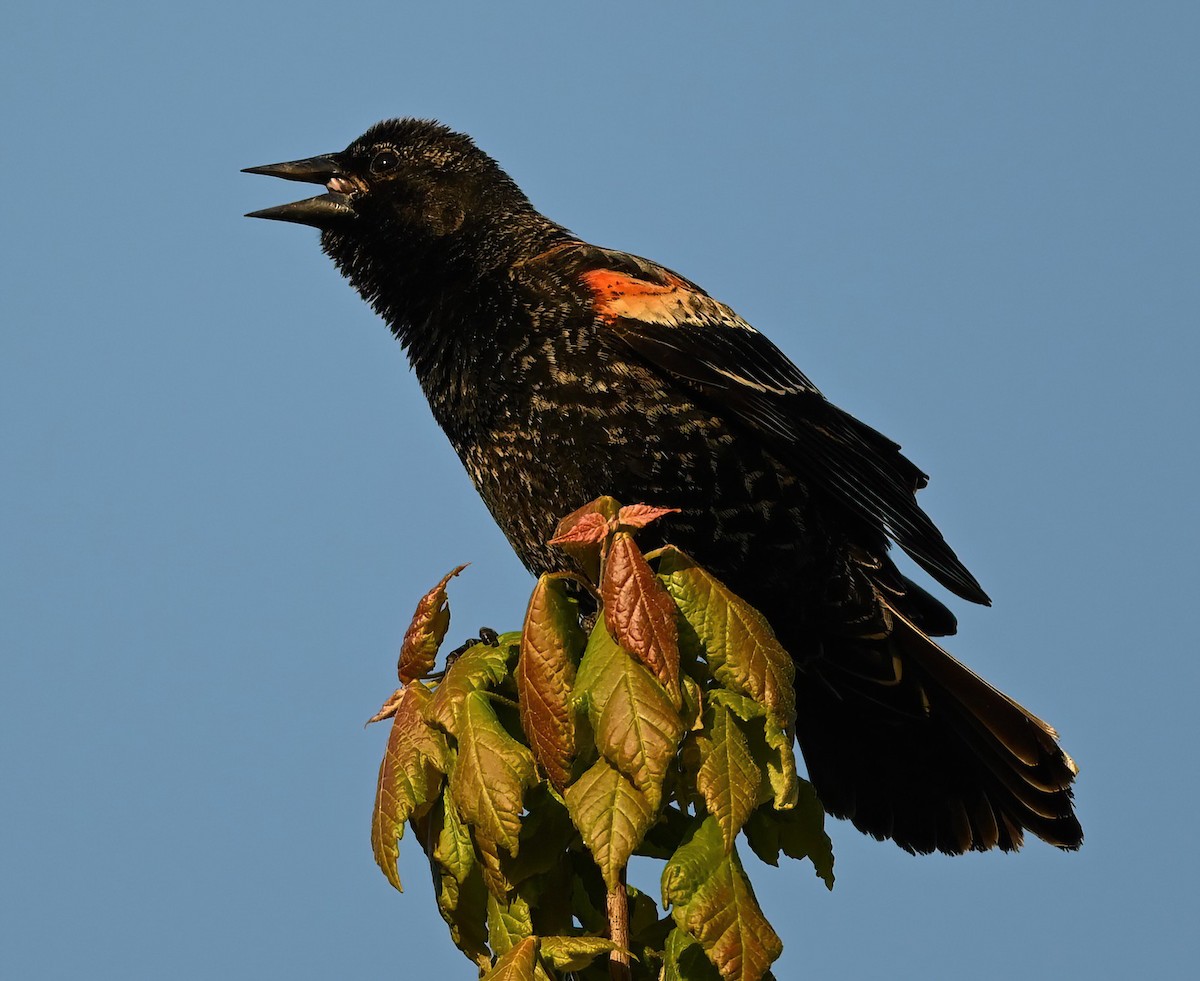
(673, 324)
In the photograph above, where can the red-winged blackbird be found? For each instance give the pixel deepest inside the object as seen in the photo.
(561, 371)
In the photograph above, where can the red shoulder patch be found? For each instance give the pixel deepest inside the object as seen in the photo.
(617, 295)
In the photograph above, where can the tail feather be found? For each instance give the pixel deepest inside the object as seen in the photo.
(1026, 736)
(986, 832)
(930, 755)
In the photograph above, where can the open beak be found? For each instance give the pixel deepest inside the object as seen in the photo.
(322, 211)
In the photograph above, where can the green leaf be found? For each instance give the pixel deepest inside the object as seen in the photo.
(546, 833)
(551, 644)
(684, 960)
(647, 929)
(462, 902)
(611, 814)
(549, 897)
(478, 667)
(728, 776)
(589, 894)
(770, 746)
(491, 774)
(517, 965)
(693, 863)
(639, 613)
(799, 833)
(738, 643)
(410, 776)
(635, 726)
(666, 834)
(464, 908)
(492, 865)
(453, 849)
(508, 923)
(724, 916)
(693, 704)
(513, 884)
(426, 631)
(573, 953)
(714, 902)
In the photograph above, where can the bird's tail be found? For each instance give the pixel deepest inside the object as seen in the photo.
(910, 744)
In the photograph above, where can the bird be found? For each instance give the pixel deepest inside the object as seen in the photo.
(561, 371)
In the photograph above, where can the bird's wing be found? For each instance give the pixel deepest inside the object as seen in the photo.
(677, 327)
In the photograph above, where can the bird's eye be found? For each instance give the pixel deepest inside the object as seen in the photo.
(384, 160)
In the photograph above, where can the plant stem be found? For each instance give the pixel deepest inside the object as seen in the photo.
(618, 931)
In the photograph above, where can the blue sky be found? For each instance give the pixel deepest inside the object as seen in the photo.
(974, 226)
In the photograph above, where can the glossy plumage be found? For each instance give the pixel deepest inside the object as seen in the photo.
(561, 371)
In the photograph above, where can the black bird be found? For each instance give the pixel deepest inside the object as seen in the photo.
(561, 371)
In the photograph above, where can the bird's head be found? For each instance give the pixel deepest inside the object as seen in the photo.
(409, 196)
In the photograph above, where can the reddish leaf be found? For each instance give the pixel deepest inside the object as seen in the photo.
(640, 515)
(639, 613)
(604, 506)
(425, 633)
(585, 550)
(410, 776)
(590, 528)
(551, 642)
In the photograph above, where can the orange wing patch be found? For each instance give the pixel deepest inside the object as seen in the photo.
(620, 295)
